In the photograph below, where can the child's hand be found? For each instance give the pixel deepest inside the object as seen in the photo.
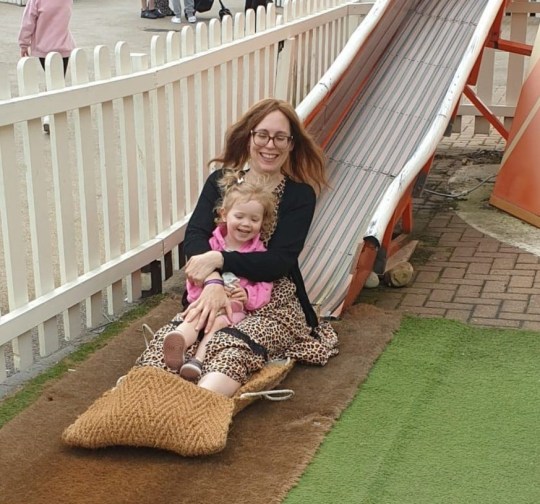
(238, 294)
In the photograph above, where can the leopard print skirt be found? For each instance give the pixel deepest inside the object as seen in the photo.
(275, 331)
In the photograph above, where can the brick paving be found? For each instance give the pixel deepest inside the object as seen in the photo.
(461, 273)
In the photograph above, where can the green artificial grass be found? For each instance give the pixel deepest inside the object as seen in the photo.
(30, 391)
(449, 414)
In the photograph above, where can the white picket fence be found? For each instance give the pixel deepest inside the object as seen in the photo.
(85, 210)
(109, 192)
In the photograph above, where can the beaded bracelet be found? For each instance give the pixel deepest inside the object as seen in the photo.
(214, 281)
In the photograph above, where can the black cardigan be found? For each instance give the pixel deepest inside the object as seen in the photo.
(281, 259)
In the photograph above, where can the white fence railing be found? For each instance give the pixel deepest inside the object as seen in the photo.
(84, 210)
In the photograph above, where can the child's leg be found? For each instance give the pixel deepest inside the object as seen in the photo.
(65, 62)
(189, 331)
(177, 342)
(192, 369)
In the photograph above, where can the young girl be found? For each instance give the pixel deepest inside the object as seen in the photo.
(45, 29)
(247, 209)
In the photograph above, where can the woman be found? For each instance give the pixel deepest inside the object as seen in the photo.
(269, 140)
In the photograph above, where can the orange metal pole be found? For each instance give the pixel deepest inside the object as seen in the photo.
(495, 33)
(473, 76)
(513, 47)
(364, 266)
(479, 104)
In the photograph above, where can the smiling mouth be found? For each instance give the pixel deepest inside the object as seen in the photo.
(268, 157)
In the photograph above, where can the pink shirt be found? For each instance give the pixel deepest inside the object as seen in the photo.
(45, 28)
(258, 293)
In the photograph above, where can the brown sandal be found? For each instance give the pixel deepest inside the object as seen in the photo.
(174, 348)
(191, 370)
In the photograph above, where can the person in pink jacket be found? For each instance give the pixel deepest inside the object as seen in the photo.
(45, 29)
(246, 209)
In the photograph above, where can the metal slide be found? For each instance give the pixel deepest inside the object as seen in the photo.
(380, 112)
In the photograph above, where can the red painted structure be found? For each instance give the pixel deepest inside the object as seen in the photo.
(517, 188)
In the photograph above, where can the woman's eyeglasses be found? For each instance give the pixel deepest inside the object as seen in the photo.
(261, 138)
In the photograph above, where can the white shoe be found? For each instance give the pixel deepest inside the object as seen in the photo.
(176, 20)
(192, 18)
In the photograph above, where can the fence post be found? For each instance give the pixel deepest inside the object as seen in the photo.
(126, 120)
(12, 239)
(108, 170)
(285, 71)
(87, 174)
(39, 220)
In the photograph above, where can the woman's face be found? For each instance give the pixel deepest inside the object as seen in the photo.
(268, 159)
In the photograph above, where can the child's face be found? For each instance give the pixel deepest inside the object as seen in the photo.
(244, 221)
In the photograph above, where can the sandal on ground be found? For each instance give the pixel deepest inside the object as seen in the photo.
(191, 370)
(174, 348)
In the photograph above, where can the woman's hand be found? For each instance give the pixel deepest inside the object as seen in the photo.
(212, 302)
(199, 267)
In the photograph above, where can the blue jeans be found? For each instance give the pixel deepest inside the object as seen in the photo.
(189, 7)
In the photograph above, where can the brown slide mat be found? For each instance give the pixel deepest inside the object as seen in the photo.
(269, 443)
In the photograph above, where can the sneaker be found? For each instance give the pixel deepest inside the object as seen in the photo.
(174, 348)
(176, 19)
(191, 18)
(159, 14)
(149, 14)
(191, 370)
